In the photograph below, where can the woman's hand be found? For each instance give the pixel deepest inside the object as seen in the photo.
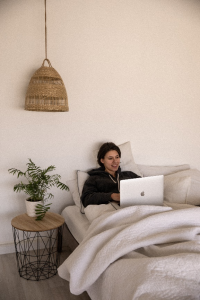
(115, 197)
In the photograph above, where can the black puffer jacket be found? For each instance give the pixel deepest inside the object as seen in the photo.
(100, 185)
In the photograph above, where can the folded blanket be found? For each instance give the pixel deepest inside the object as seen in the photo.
(94, 211)
(140, 252)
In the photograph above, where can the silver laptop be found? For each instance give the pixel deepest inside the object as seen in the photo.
(142, 191)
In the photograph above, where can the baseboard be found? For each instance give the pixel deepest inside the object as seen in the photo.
(10, 247)
(7, 248)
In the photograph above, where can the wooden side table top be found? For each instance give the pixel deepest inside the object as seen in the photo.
(26, 223)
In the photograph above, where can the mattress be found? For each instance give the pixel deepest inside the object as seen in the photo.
(76, 222)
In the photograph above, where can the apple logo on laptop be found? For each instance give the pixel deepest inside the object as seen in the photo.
(142, 194)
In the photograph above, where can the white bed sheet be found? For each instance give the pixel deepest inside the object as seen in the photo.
(76, 222)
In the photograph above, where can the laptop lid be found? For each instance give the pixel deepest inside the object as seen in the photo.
(142, 191)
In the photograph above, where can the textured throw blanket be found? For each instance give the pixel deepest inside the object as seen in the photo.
(140, 252)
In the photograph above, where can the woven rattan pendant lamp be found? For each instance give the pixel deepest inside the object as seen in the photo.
(46, 90)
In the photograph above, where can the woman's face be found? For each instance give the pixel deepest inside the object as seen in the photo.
(111, 161)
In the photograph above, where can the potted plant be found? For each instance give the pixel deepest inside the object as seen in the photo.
(37, 186)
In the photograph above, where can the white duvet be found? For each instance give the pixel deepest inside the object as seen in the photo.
(140, 252)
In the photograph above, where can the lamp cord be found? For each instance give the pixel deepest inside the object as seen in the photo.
(45, 3)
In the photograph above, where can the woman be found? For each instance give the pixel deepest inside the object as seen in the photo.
(102, 186)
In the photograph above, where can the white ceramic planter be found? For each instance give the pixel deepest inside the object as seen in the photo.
(30, 208)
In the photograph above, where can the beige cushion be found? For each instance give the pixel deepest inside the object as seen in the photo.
(193, 196)
(76, 186)
(73, 187)
(176, 188)
(161, 170)
(127, 160)
(82, 177)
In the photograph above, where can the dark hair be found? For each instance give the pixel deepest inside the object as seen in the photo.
(106, 147)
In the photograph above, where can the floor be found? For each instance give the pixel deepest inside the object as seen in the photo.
(13, 287)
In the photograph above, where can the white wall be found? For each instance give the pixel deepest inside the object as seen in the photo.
(131, 69)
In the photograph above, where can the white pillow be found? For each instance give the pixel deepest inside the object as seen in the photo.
(82, 177)
(176, 188)
(127, 161)
(76, 187)
(73, 187)
(161, 170)
(193, 196)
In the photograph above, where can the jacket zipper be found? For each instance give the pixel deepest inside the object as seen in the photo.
(116, 181)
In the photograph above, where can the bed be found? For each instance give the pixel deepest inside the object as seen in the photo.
(140, 252)
(76, 225)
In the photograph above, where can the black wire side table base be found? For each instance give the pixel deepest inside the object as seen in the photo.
(37, 253)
